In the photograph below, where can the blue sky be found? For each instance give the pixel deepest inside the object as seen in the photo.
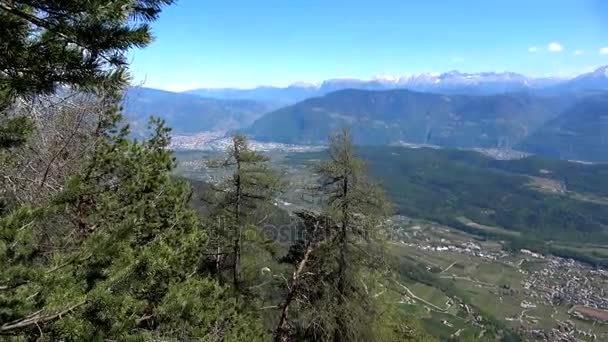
(244, 43)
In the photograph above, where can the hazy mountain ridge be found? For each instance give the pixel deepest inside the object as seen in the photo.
(187, 113)
(580, 133)
(595, 80)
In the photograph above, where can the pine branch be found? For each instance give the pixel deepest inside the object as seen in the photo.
(42, 24)
(37, 318)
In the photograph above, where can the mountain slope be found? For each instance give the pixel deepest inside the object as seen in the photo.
(580, 133)
(187, 113)
(595, 80)
(443, 185)
(385, 117)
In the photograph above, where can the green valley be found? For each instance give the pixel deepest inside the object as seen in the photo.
(471, 264)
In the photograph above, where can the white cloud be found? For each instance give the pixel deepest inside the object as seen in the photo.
(578, 52)
(533, 49)
(555, 47)
(604, 51)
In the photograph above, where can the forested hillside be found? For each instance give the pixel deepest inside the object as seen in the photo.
(580, 133)
(385, 117)
(547, 199)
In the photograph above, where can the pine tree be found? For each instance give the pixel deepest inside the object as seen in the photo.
(80, 44)
(125, 262)
(114, 251)
(245, 196)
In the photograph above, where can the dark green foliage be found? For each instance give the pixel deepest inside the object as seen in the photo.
(443, 185)
(336, 263)
(47, 44)
(125, 261)
(78, 43)
(358, 208)
(242, 201)
(14, 131)
(113, 251)
(393, 324)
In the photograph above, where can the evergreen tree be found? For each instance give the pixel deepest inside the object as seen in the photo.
(338, 265)
(358, 206)
(126, 262)
(245, 197)
(80, 43)
(114, 251)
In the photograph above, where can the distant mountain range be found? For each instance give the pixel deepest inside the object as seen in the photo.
(452, 82)
(550, 116)
(280, 95)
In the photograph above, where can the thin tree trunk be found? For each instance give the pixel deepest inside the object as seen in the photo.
(281, 332)
(237, 239)
(218, 263)
(341, 326)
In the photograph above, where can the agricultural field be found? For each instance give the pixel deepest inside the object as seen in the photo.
(510, 287)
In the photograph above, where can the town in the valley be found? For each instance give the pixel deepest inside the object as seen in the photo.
(548, 297)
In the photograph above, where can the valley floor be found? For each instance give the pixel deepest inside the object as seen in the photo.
(464, 284)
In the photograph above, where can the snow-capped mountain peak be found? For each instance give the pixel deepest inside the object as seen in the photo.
(599, 72)
(385, 79)
(450, 82)
(303, 84)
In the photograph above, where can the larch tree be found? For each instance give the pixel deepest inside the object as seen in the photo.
(337, 263)
(358, 207)
(308, 309)
(245, 197)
